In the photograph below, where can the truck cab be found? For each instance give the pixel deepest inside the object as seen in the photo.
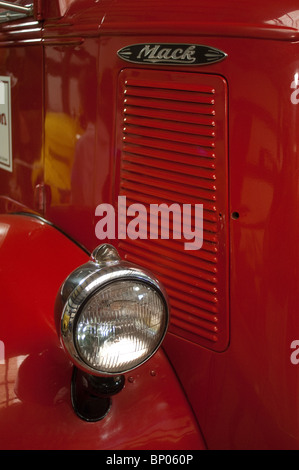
(149, 225)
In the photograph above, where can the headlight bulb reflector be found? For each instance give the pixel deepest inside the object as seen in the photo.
(120, 326)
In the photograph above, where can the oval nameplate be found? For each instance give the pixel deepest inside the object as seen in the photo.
(169, 54)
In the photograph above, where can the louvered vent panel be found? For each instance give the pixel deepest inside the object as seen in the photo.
(172, 141)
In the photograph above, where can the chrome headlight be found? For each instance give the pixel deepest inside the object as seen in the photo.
(112, 315)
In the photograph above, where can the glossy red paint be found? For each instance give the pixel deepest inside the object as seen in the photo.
(247, 395)
(150, 149)
(35, 405)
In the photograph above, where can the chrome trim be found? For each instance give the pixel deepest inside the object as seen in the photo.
(105, 267)
(105, 255)
(15, 12)
(6, 159)
(27, 10)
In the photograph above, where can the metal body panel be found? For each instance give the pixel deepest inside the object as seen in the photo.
(150, 151)
(20, 50)
(268, 21)
(245, 396)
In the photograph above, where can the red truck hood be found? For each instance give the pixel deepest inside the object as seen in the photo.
(270, 19)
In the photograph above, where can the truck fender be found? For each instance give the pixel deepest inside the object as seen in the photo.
(151, 412)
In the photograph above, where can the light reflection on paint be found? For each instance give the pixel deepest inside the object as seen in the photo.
(8, 373)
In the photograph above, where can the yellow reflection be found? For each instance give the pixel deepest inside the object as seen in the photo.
(61, 135)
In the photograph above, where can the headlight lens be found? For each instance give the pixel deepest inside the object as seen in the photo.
(120, 326)
(111, 315)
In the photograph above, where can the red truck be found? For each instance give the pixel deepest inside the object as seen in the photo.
(149, 225)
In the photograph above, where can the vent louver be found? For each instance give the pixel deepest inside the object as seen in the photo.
(172, 143)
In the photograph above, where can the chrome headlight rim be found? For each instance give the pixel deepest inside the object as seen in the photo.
(88, 285)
